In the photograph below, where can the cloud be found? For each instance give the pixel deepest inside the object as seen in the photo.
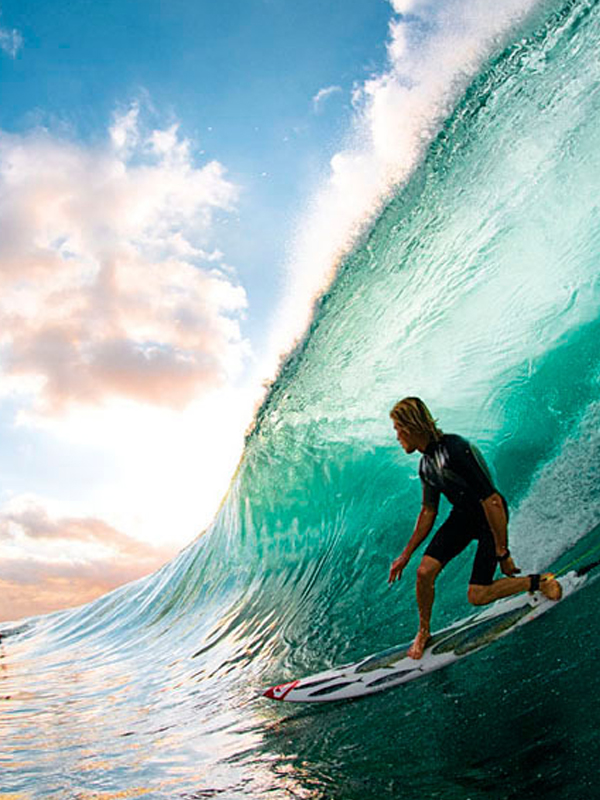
(49, 563)
(34, 522)
(110, 284)
(11, 41)
(29, 588)
(406, 6)
(323, 95)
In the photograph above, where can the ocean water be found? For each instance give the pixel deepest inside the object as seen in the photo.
(476, 288)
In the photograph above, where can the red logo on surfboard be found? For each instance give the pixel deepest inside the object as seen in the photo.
(282, 691)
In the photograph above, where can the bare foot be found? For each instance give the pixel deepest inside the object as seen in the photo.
(550, 587)
(418, 646)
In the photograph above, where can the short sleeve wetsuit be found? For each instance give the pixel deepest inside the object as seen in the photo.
(453, 467)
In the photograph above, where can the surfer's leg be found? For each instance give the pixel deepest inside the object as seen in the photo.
(428, 570)
(450, 539)
(483, 589)
(505, 587)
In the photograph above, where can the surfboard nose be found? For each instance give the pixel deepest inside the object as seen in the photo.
(280, 692)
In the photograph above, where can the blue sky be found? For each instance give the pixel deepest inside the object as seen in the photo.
(178, 181)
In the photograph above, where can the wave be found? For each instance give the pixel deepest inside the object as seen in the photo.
(476, 288)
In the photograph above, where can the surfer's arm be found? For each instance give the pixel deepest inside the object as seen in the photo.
(495, 514)
(422, 530)
(423, 527)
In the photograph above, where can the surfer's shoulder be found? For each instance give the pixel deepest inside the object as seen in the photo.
(453, 440)
(454, 444)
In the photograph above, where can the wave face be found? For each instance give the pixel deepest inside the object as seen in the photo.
(477, 289)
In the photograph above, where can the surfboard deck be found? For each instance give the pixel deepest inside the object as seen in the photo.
(393, 667)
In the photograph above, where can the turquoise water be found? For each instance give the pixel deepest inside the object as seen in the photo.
(476, 288)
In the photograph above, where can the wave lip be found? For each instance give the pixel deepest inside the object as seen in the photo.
(434, 51)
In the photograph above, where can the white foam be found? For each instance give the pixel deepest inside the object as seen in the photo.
(564, 501)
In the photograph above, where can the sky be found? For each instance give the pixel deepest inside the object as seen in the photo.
(178, 181)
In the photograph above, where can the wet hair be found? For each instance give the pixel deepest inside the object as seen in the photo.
(412, 413)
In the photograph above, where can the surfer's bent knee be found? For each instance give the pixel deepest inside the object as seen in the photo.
(478, 595)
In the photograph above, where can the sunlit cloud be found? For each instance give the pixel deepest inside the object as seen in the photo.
(120, 341)
(111, 284)
(161, 472)
(322, 96)
(32, 587)
(49, 562)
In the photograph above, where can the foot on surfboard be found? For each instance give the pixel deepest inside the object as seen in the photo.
(547, 585)
(418, 646)
(550, 587)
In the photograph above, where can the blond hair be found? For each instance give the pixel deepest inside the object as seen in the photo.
(412, 413)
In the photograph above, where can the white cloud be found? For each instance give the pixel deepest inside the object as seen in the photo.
(323, 95)
(109, 277)
(11, 41)
(124, 132)
(406, 6)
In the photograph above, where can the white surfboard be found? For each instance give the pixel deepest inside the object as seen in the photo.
(393, 667)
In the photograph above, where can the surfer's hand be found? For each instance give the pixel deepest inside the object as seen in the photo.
(509, 567)
(397, 568)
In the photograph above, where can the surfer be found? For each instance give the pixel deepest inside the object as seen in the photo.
(451, 466)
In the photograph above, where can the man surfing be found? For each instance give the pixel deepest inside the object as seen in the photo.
(451, 466)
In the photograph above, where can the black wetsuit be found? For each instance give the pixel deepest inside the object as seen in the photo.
(455, 468)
